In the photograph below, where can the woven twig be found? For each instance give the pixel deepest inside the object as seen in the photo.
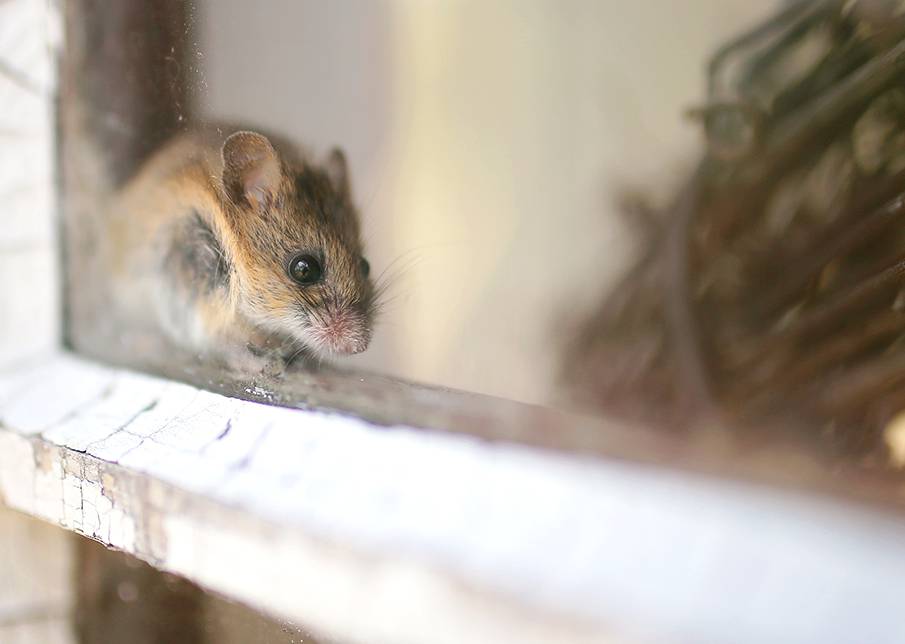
(773, 292)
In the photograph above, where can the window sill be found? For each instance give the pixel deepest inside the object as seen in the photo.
(428, 536)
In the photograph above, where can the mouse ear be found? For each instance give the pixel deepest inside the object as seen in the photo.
(251, 169)
(338, 170)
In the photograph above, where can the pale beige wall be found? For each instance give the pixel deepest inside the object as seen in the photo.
(487, 140)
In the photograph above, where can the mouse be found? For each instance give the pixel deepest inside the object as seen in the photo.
(244, 249)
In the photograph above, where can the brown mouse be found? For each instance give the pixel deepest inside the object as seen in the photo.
(237, 248)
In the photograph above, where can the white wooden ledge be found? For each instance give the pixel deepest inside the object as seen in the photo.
(375, 534)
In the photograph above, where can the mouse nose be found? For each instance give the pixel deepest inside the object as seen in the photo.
(349, 343)
(351, 347)
(345, 333)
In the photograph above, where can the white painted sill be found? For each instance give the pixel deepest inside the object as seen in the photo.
(395, 534)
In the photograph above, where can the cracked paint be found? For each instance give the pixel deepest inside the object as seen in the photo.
(299, 512)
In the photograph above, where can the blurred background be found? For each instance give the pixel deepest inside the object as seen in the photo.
(489, 142)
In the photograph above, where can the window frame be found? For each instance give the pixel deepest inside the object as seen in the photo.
(46, 471)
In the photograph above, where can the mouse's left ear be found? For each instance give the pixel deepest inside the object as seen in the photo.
(338, 170)
(251, 169)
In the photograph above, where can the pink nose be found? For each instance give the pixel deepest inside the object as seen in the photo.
(349, 345)
(344, 334)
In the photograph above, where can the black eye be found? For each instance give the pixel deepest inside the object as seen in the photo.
(305, 269)
(365, 267)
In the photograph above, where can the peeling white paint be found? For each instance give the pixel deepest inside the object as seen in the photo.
(310, 515)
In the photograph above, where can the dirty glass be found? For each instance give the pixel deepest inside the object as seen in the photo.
(680, 214)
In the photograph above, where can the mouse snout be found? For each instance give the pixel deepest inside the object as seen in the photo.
(344, 332)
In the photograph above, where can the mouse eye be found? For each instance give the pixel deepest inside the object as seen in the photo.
(365, 267)
(305, 269)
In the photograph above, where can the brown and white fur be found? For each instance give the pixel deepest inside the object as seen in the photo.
(201, 238)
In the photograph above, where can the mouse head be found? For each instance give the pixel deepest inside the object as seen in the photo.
(298, 254)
